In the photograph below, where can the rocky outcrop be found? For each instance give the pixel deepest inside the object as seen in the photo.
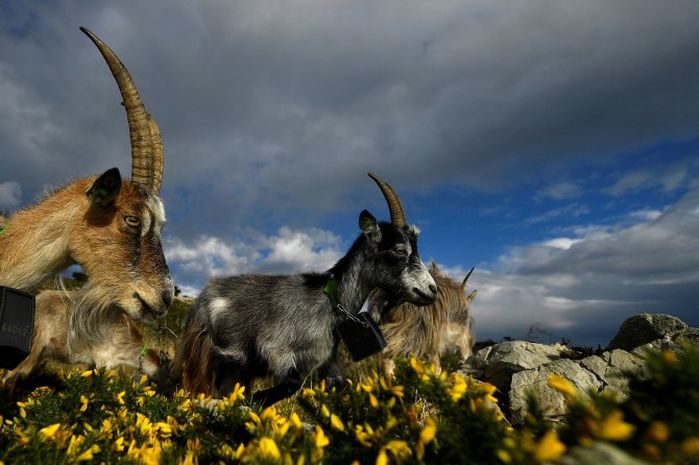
(601, 373)
(535, 381)
(646, 327)
(497, 363)
(519, 368)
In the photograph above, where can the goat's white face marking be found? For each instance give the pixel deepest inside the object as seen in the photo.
(155, 212)
(419, 279)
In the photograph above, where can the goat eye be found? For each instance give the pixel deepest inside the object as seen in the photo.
(132, 221)
(400, 251)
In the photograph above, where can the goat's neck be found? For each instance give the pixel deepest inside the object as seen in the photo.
(352, 284)
(35, 244)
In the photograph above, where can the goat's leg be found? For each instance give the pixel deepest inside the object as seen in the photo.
(287, 388)
(156, 365)
(332, 372)
(23, 371)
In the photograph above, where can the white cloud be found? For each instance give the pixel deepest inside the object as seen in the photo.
(583, 287)
(288, 251)
(10, 194)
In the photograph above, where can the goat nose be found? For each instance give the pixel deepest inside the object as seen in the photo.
(167, 298)
(433, 288)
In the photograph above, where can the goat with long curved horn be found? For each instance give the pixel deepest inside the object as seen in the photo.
(146, 146)
(112, 228)
(395, 207)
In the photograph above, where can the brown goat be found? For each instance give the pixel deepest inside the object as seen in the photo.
(121, 343)
(430, 330)
(109, 226)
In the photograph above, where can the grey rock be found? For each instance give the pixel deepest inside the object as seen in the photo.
(497, 363)
(644, 328)
(606, 373)
(600, 453)
(551, 402)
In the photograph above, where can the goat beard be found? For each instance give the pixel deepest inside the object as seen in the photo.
(91, 315)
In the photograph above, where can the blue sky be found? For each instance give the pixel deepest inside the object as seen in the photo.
(553, 145)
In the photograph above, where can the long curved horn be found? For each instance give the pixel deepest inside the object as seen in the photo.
(140, 123)
(468, 275)
(394, 205)
(158, 158)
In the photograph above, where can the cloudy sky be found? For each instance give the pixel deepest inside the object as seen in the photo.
(552, 144)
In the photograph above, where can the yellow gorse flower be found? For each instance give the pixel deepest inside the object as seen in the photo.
(561, 385)
(458, 389)
(74, 444)
(549, 448)
(399, 448)
(268, 448)
(50, 431)
(295, 420)
(84, 402)
(319, 438)
(614, 428)
(429, 431)
(89, 454)
(188, 459)
(336, 423)
(118, 445)
(324, 410)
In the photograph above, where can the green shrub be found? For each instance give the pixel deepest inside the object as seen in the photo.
(99, 416)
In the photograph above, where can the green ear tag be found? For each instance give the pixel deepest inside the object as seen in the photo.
(330, 287)
(3, 229)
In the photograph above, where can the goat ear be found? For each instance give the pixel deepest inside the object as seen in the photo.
(370, 227)
(105, 189)
(434, 269)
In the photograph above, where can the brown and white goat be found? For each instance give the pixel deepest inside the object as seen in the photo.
(109, 226)
(121, 343)
(430, 330)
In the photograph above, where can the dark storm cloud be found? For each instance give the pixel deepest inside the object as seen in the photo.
(273, 112)
(268, 104)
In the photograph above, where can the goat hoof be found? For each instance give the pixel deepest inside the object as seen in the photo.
(338, 383)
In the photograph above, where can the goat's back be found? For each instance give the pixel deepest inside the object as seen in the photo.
(265, 323)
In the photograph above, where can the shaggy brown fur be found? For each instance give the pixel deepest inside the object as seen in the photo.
(121, 344)
(109, 226)
(196, 373)
(429, 331)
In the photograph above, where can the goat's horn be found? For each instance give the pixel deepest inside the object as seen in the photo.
(158, 158)
(468, 275)
(394, 205)
(143, 130)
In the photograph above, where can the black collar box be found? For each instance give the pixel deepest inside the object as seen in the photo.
(16, 325)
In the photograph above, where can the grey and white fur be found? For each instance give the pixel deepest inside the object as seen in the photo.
(249, 326)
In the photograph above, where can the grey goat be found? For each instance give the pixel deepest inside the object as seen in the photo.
(250, 326)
